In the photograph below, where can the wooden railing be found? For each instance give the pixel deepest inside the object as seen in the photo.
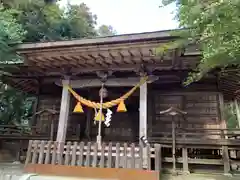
(90, 155)
(12, 129)
(22, 132)
(201, 147)
(33, 132)
(198, 136)
(116, 155)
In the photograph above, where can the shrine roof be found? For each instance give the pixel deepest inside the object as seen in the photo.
(120, 53)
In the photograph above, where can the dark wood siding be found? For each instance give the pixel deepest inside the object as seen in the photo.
(202, 109)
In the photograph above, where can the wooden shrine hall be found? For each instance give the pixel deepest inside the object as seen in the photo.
(64, 74)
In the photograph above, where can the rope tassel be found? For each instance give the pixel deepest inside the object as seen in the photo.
(78, 108)
(98, 118)
(121, 107)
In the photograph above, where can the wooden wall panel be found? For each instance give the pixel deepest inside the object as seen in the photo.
(202, 109)
(123, 127)
(44, 119)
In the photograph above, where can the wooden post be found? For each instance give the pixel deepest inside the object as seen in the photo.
(158, 158)
(223, 124)
(88, 124)
(237, 112)
(226, 161)
(52, 129)
(185, 160)
(172, 111)
(36, 104)
(64, 113)
(174, 145)
(225, 155)
(143, 118)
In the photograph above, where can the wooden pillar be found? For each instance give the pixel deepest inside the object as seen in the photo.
(143, 117)
(64, 113)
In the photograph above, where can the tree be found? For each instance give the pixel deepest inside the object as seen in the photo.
(78, 22)
(105, 30)
(11, 32)
(15, 107)
(12, 105)
(34, 21)
(47, 22)
(213, 25)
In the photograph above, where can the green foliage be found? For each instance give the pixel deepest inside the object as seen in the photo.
(105, 30)
(78, 22)
(34, 21)
(14, 106)
(230, 115)
(47, 22)
(214, 25)
(11, 32)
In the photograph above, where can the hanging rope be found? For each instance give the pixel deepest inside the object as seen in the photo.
(109, 104)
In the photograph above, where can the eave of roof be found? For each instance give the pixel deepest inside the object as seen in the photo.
(99, 40)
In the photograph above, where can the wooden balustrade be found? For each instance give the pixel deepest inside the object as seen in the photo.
(197, 133)
(110, 161)
(80, 154)
(116, 155)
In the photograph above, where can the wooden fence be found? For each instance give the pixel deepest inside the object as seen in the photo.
(197, 133)
(116, 155)
(90, 155)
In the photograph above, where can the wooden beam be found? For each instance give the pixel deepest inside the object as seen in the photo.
(64, 113)
(114, 82)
